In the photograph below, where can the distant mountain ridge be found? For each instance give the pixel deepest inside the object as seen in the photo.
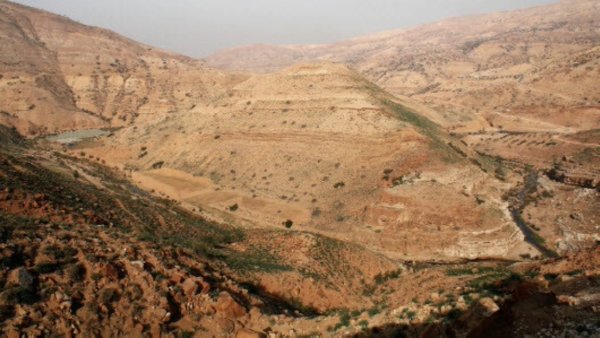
(468, 68)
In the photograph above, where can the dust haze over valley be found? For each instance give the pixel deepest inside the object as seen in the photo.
(439, 180)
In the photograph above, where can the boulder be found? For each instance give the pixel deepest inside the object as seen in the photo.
(111, 272)
(138, 264)
(22, 278)
(226, 325)
(478, 312)
(189, 287)
(177, 277)
(488, 305)
(228, 307)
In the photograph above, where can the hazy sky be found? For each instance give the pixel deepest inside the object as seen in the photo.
(200, 27)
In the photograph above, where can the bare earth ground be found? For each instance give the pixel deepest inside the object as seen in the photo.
(316, 145)
(82, 249)
(460, 198)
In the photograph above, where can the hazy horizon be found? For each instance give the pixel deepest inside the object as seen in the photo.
(199, 29)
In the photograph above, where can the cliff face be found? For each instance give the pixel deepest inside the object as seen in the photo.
(34, 94)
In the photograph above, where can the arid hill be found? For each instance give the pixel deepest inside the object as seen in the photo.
(476, 72)
(314, 147)
(400, 189)
(56, 74)
(80, 246)
(323, 149)
(518, 86)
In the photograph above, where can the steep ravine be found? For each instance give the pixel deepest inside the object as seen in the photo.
(518, 203)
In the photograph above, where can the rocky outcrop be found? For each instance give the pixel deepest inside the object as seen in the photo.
(589, 181)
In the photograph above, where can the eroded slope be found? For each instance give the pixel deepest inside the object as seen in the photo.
(320, 147)
(58, 75)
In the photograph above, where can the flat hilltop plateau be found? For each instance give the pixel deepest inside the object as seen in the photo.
(437, 181)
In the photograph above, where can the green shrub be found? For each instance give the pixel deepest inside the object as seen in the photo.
(374, 311)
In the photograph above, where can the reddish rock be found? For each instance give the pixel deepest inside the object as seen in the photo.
(111, 272)
(39, 197)
(247, 333)
(226, 325)
(227, 306)
(21, 277)
(13, 333)
(177, 278)
(205, 287)
(189, 287)
(524, 290)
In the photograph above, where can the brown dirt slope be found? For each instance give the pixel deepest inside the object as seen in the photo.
(83, 252)
(318, 145)
(80, 246)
